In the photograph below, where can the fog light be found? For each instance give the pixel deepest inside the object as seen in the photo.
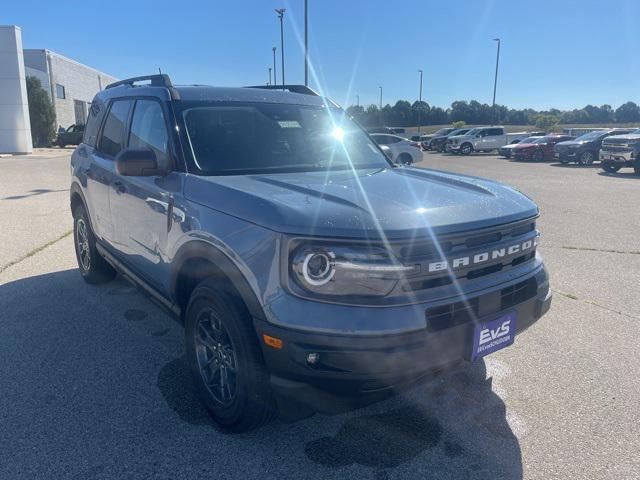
(313, 358)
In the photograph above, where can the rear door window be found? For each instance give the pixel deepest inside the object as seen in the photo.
(113, 132)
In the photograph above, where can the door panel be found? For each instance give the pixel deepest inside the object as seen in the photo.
(101, 171)
(141, 207)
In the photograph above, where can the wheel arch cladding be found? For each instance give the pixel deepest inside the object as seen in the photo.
(197, 261)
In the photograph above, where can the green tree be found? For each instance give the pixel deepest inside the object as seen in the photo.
(458, 124)
(41, 113)
(547, 122)
(627, 113)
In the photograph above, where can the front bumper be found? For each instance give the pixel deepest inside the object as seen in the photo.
(567, 155)
(625, 158)
(354, 370)
(523, 155)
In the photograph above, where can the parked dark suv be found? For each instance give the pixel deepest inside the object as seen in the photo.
(311, 273)
(438, 143)
(585, 149)
(71, 136)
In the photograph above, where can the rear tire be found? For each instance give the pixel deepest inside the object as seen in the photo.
(405, 159)
(225, 359)
(93, 268)
(609, 167)
(636, 169)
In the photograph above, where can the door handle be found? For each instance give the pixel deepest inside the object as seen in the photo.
(119, 187)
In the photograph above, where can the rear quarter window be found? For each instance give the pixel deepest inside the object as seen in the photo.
(96, 113)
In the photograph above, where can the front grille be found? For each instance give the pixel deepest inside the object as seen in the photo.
(616, 148)
(458, 313)
(518, 293)
(428, 254)
(439, 318)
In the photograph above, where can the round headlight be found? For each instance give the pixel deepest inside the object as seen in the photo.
(318, 268)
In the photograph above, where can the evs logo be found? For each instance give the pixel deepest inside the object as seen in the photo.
(489, 334)
(493, 335)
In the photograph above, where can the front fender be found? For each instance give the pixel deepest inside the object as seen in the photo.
(241, 276)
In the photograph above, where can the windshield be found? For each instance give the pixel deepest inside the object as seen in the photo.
(529, 140)
(268, 138)
(473, 131)
(587, 137)
(443, 131)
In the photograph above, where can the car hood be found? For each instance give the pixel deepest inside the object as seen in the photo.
(457, 137)
(526, 145)
(570, 143)
(391, 203)
(630, 137)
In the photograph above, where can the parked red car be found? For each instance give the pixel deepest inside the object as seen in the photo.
(539, 149)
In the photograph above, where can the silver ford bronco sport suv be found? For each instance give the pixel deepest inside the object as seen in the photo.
(311, 274)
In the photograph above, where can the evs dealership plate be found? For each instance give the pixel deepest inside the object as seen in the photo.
(493, 335)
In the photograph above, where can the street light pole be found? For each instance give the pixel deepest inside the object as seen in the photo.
(280, 12)
(269, 76)
(275, 72)
(495, 81)
(357, 100)
(306, 43)
(381, 116)
(420, 104)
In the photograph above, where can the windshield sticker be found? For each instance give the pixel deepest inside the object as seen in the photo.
(289, 124)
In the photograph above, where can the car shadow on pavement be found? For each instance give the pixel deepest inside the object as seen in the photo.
(574, 165)
(630, 175)
(59, 332)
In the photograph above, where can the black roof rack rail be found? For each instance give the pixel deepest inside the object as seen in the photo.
(157, 80)
(303, 89)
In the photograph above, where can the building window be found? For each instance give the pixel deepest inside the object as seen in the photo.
(60, 91)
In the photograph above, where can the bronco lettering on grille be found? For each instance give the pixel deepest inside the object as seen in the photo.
(478, 258)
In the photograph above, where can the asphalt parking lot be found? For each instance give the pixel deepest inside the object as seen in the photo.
(93, 380)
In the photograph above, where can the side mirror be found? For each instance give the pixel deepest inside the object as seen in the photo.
(478, 135)
(137, 163)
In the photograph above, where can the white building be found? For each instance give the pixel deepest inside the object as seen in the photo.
(70, 84)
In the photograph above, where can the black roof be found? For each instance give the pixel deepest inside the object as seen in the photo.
(243, 94)
(160, 86)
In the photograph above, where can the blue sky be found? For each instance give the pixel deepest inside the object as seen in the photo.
(563, 53)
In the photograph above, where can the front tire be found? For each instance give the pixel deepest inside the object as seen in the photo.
(466, 149)
(586, 158)
(611, 168)
(93, 268)
(225, 359)
(538, 156)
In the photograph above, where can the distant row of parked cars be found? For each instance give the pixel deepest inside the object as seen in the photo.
(615, 148)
